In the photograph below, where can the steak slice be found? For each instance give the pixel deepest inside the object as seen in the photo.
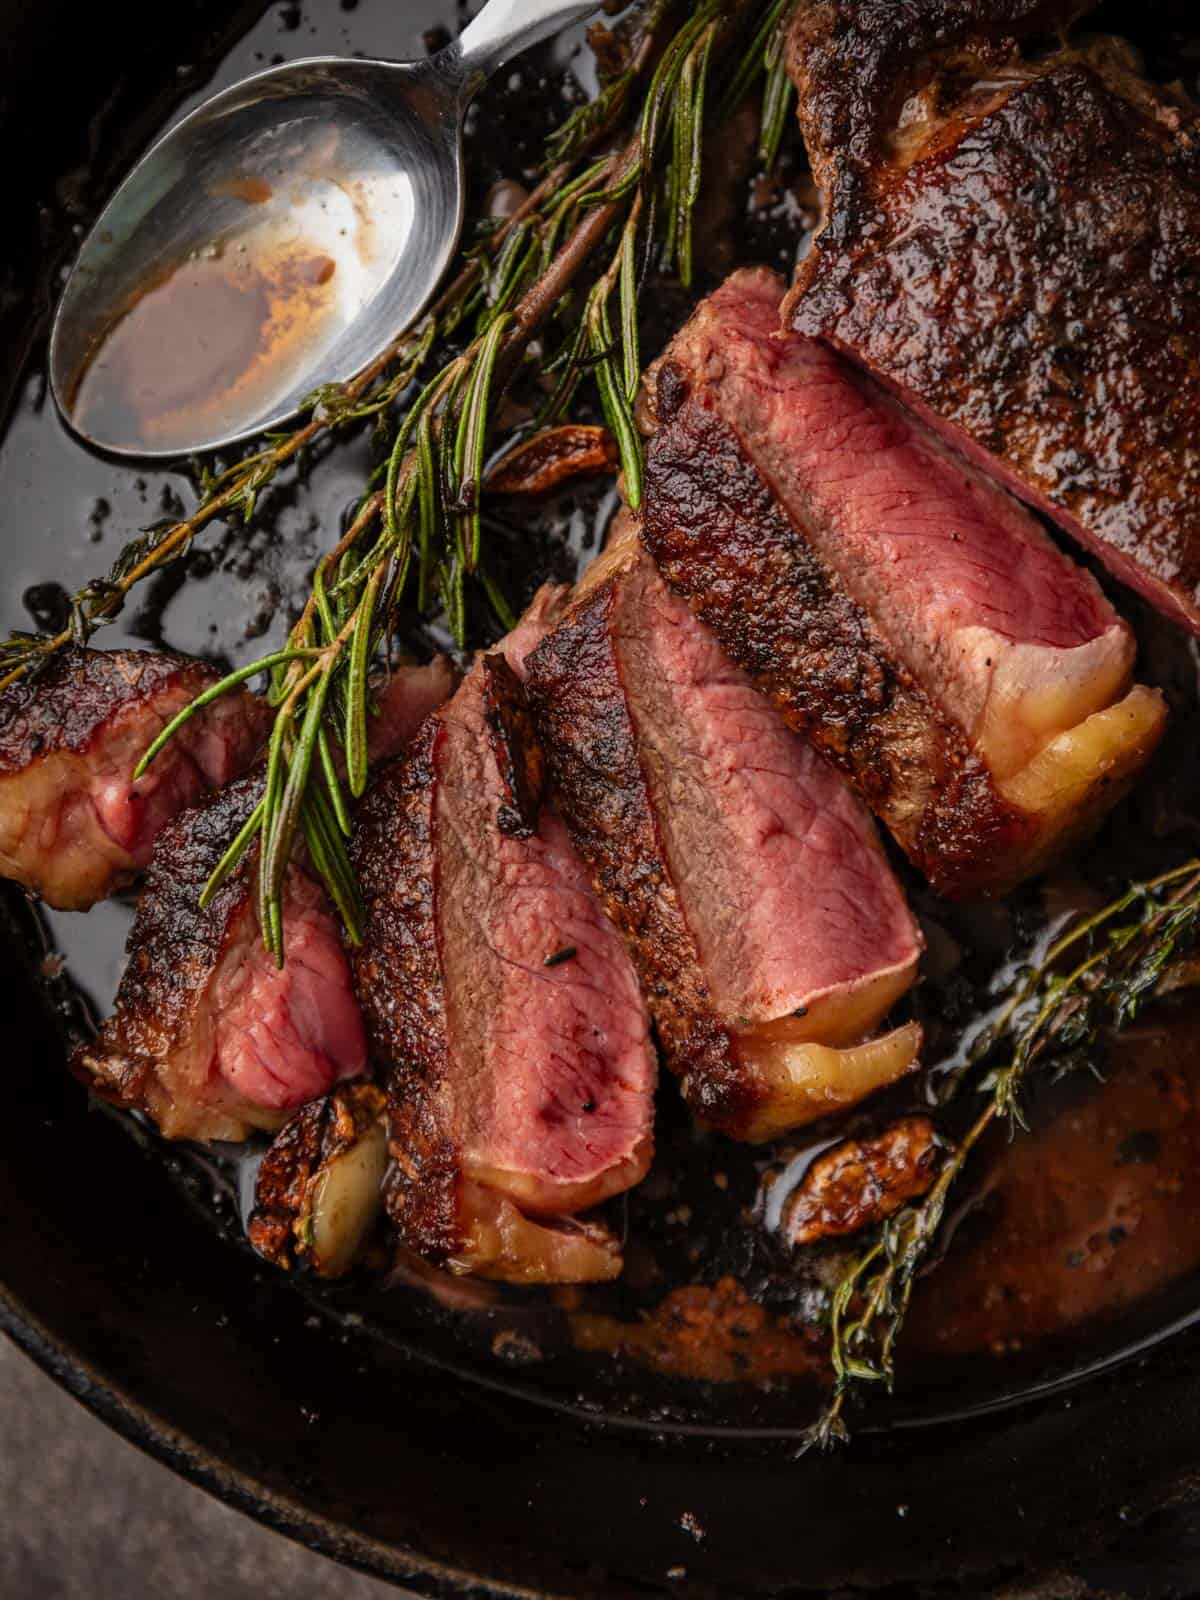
(208, 1037)
(1015, 250)
(895, 604)
(402, 703)
(768, 930)
(857, 65)
(74, 826)
(520, 1070)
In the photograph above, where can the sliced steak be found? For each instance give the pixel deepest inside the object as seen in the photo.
(768, 930)
(895, 604)
(858, 64)
(402, 703)
(1015, 250)
(209, 1037)
(73, 824)
(520, 1071)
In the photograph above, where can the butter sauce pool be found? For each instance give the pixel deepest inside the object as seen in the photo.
(1087, 1226)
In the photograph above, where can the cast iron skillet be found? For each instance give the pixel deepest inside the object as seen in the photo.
(120, 1289)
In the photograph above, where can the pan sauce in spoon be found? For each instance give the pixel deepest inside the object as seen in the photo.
(232, 326)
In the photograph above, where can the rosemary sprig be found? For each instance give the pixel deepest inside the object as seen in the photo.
(622, 180)
(433, 477)
(1091, 981)
(235, 490)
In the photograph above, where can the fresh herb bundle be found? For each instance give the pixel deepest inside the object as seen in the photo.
(621, 182)
(1090, 982)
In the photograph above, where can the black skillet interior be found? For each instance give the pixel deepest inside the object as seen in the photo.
(123, 1289)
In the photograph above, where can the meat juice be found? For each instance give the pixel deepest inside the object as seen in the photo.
(1064, 1250)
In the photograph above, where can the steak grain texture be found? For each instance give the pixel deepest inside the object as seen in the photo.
(1019, 258)
(769, 933)
(520, 1092)
(907, 614)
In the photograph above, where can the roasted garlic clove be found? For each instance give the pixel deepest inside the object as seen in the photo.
(320, 1186)
(798, 1082)
(861, 1182)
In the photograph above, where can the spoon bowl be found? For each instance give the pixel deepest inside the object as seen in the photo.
(275, 240)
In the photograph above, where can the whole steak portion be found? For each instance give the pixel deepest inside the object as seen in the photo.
(769, 932)
(896, 605)
(73, 824)
(501, 1003)
(1015, 250)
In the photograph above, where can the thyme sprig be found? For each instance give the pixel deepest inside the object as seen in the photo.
(1090, 982)
(622, 183)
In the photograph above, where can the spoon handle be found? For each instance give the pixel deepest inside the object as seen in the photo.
(506, 27)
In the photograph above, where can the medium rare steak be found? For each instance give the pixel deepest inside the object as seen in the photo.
(519, 1067)
(769, 932)
(208, 1036)
(73, 825)
(895, 604)
(1015, 249)
(401, 704)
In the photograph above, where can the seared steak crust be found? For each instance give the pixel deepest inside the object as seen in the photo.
(894, 602)
(74, 826)
(579, 702)
(174, 943)
(516, 749)
(855, 62)
(173, 948)
(722, 540)
(768, 932)
(208, 1036)
(498, 999)
(64, 706)
(1029, 278)
(398, 977)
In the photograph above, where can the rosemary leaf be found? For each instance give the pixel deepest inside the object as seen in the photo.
(428, 519)
(271, 924)
(618, 412)
(228, 863)
(327, 851)
(499, 604)
(472, 437)
(630, 342)
(356, 694)
(773, 24)
(284, 819)
(231, 681)
(333, 783)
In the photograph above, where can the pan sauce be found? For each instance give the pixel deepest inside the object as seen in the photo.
(1093, 1213)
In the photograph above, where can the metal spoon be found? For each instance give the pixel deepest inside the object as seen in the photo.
(276, 239)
